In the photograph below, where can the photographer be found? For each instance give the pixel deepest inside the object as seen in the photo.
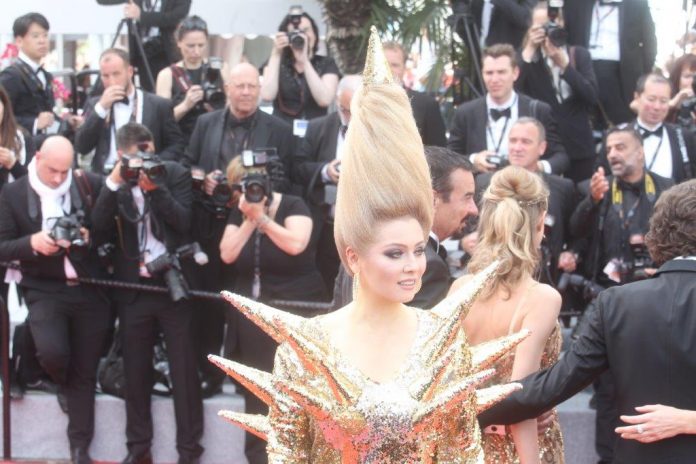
(44, 221)
(156, 21)
(267, 238)
(194, 84)
(122, 103)
(480, 127)
(300, 83)
(683, 104)
(146, 207)
(562, 77)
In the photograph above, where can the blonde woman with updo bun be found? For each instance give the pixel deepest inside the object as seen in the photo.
(511, 227)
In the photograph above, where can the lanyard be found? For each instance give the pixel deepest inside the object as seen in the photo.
(657, 151)
(599, 21)
(502, 134)
(617, 200)
(245, 141)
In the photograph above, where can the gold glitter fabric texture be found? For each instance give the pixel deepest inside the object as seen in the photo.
(324, 410)
(500, 449)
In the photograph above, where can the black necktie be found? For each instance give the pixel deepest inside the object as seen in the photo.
(245, 123)
(647, 133)
(343, 130)
(497, 114)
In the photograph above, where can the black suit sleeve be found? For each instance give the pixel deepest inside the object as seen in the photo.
(555, 151)
(434, 132)
(104, 212)
(12, 82)
(585, 360)
(435, 283)
(519, 14)
(12, 245)
(581, 78)
(172, 203)
(305, 164)
(458, 133)
(172, 138)
(192, 154)
(87, 135)
(169, 18)
(584, 217)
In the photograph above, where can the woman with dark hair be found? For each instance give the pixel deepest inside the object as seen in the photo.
(681, 77)
(16, 149)
(300, 83)
(194, 84)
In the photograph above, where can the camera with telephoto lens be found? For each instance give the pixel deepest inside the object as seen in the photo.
(66, 231)
(213, 92)
(169, 266)
(498, 161)
(557, 35)
(151, 165)
(256, 184)
(587, 288)
(296, 38)
(635, 269)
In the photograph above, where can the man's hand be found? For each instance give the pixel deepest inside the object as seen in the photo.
(85, 235)
(111, 95)
(45, 119)
(598, 185)
(75, 121)
(115, 175)
(545, 420)
(193, 95)
(146, 184)
(558, 55)
(567, 261)
(480, 162)
(332, 170)
(131, 11)
(42, 243)
(210, 181)
(253, 211)
(7, 158)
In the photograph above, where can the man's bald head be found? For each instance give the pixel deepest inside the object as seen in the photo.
(243, 88)
(54, 160)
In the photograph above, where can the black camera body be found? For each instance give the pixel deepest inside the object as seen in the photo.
(169, 265)
(557, 35)
(498, 161)
(151, 165)
(296, 39)
(589, 289)
(256, 184)
(213, 92)
(66, 231)
(634, 269)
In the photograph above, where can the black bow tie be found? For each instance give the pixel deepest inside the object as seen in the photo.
(647, 133)
(497, 114)
(245, 123)
(343, 130)
(40, 69)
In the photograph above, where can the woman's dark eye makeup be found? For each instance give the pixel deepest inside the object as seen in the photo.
(398, 253)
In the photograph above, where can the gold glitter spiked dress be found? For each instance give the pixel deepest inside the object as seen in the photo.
(323, 410)
(500, 448)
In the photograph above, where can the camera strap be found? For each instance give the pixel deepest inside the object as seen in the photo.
(688, 174)
(617, 199)
(256, 285)
(181, 78)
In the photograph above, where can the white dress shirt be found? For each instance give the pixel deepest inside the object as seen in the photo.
(497, 131)
(604, 33)
(121, 114)
(658, 151)
(486, 14)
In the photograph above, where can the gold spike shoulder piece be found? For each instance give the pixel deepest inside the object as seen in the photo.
(377, 70)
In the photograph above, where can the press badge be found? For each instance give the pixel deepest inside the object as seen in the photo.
(299, 127)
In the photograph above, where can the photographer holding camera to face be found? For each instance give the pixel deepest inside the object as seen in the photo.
(146, 207)
(194, 84)
(267, 238)
(44, 222)
(300, 83)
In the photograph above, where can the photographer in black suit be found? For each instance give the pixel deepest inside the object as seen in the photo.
(480, 127)
(642, 333)
(426, 110)
(44, 221)
(147, 213)
(561, 76)
(156, 21)
(120, 104)
(502, 21)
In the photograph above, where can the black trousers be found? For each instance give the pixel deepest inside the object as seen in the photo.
(138, 322)
(611, 92)
(70, 328)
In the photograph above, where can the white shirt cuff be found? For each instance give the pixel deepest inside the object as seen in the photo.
(472, 157)
(546, 166)
(100, 110)
(111, 185)
(325, 174)
(34, 129)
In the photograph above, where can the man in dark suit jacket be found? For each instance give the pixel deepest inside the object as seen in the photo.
(502, 21)
(562, 77)
(148, 219)
(591, 24)
(643, 334)
(69, 322)
(121, 103)
(670, 151)
(157, 21)
(480, 127)
(426, 110)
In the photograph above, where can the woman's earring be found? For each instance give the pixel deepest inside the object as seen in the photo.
(356, 284)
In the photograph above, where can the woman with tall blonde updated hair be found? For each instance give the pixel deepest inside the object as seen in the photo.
(511, 226)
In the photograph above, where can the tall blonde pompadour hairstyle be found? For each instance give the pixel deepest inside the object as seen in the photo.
(384, 174)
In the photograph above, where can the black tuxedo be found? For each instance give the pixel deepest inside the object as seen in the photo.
(643, 334)
(468, 131)
(26, 93)
(163, 52)
(69, 323)
(142, 313)
(509, 20)
(205, 145)
(677, 137)
(426, 112)
(436, 280)
(637, 41)
(158, 116)
(572, 115)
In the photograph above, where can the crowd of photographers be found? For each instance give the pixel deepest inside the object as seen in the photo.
(194, 188)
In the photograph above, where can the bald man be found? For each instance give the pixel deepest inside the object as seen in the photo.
(218, 137)
(69, 321)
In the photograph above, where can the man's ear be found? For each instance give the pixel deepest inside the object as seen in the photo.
(436, 199)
